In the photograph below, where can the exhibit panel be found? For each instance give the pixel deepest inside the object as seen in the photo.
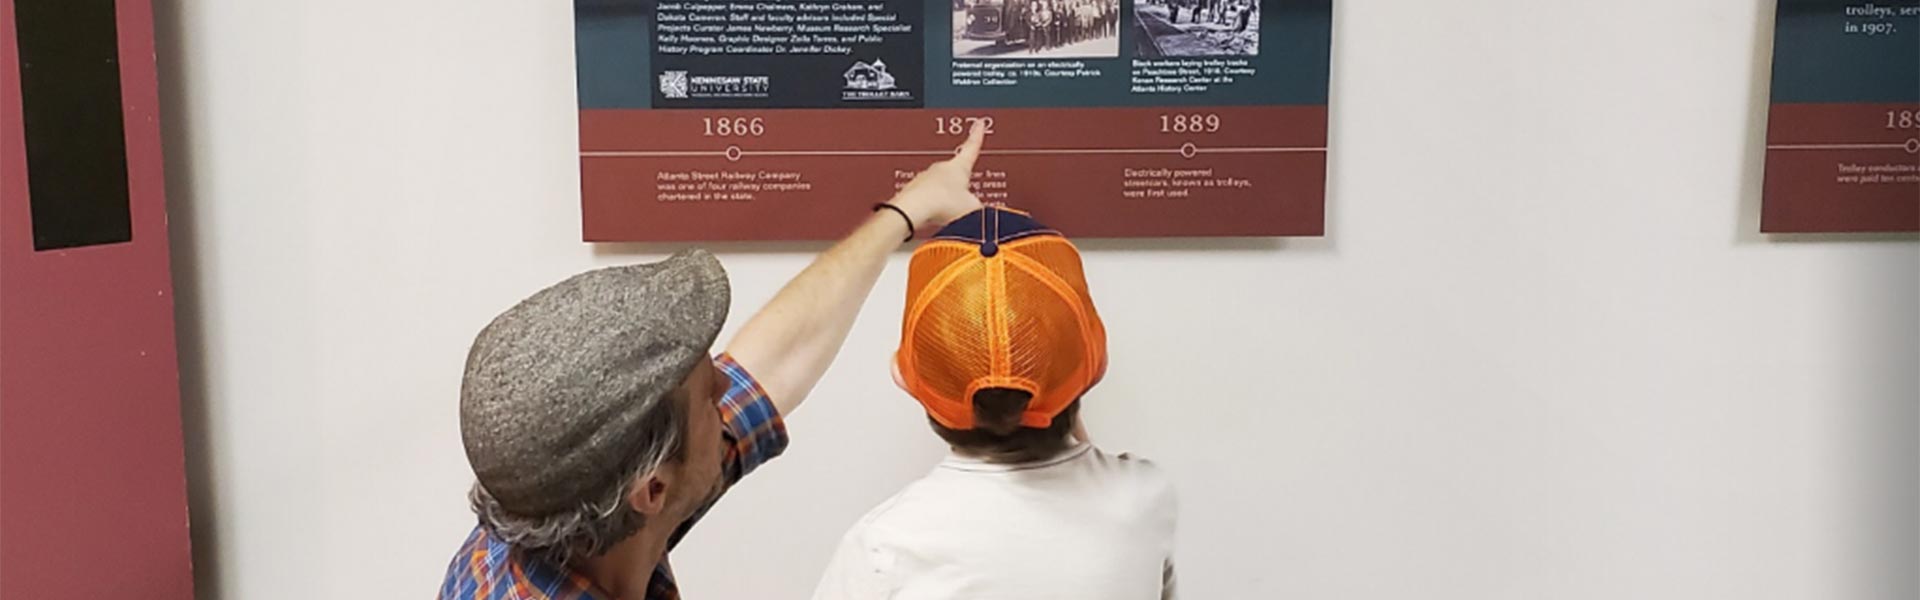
(706, 120)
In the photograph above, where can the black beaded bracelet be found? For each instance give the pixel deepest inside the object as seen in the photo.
(903, 217)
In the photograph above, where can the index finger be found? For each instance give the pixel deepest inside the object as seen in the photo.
(970, 151)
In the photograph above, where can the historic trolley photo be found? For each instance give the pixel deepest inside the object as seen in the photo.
(1196, 28)
(1036, 29)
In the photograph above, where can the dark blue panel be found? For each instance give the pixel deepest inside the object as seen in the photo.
(1823, 54)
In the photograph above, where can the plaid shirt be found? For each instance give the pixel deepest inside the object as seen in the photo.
(488, 569)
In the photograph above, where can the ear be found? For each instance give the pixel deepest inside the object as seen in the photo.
(898, 379)
(649, 495)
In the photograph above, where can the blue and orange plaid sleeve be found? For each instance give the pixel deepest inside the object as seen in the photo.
(754, 431)
(754, 427)
(486, 568)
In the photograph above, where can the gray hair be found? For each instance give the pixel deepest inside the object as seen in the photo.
(598, 522)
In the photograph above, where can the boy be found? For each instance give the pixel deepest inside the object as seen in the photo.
(999, 342)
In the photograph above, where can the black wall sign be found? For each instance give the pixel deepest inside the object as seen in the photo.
(75, 132)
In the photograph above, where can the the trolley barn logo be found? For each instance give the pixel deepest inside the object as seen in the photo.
(871, 81)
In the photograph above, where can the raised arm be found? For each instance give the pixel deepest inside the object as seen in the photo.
(790, 343)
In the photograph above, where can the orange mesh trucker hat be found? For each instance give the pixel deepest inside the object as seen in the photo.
(997, 300)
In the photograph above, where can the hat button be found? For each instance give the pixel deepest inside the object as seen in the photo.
(990, 248)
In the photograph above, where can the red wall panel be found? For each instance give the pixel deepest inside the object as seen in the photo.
(92, 473)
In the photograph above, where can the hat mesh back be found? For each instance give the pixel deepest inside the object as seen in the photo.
(947, 334)
(1046, 344)
(1058, 256)
(1020, 320)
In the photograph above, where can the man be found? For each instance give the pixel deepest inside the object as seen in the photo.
(1062, 24)
(999, 343)
(1014, 21)
(600, 429)
(1069, 23)
(1039, 28)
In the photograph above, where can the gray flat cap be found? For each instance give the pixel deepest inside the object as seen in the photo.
(556, 387)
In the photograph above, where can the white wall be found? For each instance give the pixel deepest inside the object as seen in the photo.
(1540, 354)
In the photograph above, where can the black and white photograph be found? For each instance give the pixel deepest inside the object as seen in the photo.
(1014, 29)
(1196, 28)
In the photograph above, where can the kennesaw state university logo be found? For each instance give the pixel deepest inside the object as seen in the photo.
(678, 85)
(673, 84)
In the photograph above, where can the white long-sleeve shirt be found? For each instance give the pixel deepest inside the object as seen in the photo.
(1085, 524)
